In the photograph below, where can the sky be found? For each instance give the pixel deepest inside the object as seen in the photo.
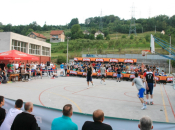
(60, 12)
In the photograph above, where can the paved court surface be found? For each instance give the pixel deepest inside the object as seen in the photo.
(116, 99)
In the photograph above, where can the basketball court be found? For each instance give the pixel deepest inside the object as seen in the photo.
(116, 99)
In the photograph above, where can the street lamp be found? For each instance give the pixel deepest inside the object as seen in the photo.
(170, 56)
(67, 47)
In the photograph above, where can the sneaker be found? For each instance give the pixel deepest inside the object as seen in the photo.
(104, 83)
(119, 81)
(101, 82)
(87, 87)
(147, 103)
(93, 85)
(151, 103)
(143, 108)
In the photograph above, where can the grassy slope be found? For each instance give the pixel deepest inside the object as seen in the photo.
(127, 48)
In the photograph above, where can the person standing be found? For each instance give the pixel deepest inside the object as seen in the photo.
(42, 67)
(89, 71)
(2, 110)
(140, 86)
(118, 74)
(62, 68)
(103, 71)
(65, 68)
(12, 113)
(149, 77)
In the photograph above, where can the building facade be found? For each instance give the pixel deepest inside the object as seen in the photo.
(13, 41)
(86, 32)
(57, 36)
(37, 36)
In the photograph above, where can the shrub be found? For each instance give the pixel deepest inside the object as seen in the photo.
(132, 37)
(61, 59)
(107, 37)
(123, 36)
(65, 51)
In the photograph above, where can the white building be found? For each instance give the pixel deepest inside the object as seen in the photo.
(13, 41)
(98, 33)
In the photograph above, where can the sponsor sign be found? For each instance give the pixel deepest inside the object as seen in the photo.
(75, 59)
(114, 74)
(132, 76)
(169, 79)
(86, 59)
(128, 61)
(157, 78)
(84, 74)
(73, 72)
(99, 60)
(114, 60)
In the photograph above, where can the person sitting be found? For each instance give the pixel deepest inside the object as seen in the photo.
(2, 74)
(162, 73)
(10, 71)
(98, 117)
(12, 113)
(38, 72)
(71, 68)
(2, 110)
(132, 72)
(165, 74)
(157, 73)
(25, 120)
(64, 122)
(124, 72)
(145, 123)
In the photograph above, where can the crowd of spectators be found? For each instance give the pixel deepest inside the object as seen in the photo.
(26, 70)
(16, 119)
(119, 68)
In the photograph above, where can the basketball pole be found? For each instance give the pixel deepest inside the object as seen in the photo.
(170, 56)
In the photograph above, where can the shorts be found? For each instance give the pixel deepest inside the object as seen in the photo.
(89, 78)
(150, 86)
(118, 75)
(141, 92)
(102, 76)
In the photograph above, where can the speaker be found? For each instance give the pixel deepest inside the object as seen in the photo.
(48, 63)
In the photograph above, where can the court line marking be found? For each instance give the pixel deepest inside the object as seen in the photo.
(58, 95)
(166, 115)
(169, 101)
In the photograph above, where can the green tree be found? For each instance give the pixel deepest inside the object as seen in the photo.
(143, 40)
(107, 37)
(61, 59)
(29, 31)
(91, 36)
(99, 37)
(147, 37)
(106, 33)
(93, 31)
(73, 22)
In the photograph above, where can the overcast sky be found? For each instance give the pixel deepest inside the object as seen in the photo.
(60, 12)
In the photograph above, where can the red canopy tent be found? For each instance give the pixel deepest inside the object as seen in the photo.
(17, 55)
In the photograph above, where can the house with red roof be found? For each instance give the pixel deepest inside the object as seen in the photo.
(37, 36)
(57, 36)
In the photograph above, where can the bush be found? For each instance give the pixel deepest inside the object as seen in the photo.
(123, 36)
(61, 59)
(107, 37)
(65, 51)
(132, 37)
(99, 37)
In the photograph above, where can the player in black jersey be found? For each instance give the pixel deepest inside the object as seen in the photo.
(149, 77)
(89, 71)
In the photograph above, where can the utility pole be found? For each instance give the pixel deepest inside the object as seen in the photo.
(67, 48)
(142, 29)
(170, 56)
(155, 29)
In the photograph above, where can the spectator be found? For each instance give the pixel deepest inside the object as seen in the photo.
(98, 117)
(118, 74)
(13, 112)
(25, 120)
(165, 74)
(162, 74)
(16, 65)
(9, 65)
(62, 68)
(157, 73)
(65, 68)
(2, 110)
(145, 123)
(42, 67)
(2, 74)
(2, 65)
(64, 122)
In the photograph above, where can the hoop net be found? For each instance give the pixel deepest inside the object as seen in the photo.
(144, 52)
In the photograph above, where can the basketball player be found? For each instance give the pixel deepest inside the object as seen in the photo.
(149, 77)
(89, 71)
(139, 84)
(103, 71)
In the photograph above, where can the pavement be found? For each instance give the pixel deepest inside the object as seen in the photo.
(116, 99)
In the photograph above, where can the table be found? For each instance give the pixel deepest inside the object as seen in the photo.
(14, 75)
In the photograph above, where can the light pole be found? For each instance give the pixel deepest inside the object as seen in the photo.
(170, 56)
(67, 48)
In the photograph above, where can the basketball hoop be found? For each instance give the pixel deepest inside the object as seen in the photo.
(144, 52)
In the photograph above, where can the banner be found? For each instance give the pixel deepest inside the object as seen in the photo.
(114, 60)
(99, 60)
(45, 116)
(128, 61)
(169, 79)
(86, 59)
(73, 72)
(75, 59)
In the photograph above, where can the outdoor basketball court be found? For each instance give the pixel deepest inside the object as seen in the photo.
(116, 99)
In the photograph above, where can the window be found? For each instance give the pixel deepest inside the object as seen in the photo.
(20, 46)
(34, 49)
(45, 51)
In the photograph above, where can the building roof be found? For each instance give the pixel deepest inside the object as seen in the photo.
(56, 32)
(39, 35)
